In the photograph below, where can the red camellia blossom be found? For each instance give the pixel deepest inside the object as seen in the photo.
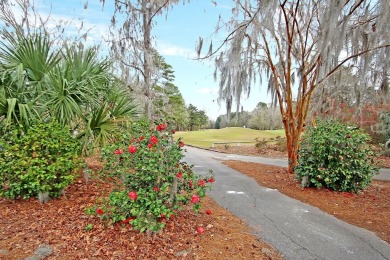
(179, 175)
(156, 189)
(211, 180)
(126, 221)
(150, 146)
(200, 229)
(153, 139)
(99, 211)
(141, 138)
(161, 127)
(133, 195)
(201, 183)
(209, 212)
(195, 198)
(181, 144)
(132, 149)
(118, 151)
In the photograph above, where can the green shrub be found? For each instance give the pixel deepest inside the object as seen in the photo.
(335, 156)
(261, 145)
(151, 181)
(38, 162)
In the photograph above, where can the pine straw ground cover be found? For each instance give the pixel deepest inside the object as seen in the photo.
(61, 224)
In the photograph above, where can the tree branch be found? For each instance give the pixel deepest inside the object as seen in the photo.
(349, 58)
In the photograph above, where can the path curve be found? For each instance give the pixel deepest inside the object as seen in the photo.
(297, 230)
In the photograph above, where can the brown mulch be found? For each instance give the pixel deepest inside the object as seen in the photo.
(270, 151)
(60, 223)
(369, 209)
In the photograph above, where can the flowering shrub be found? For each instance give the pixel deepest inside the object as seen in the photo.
(335, 156)
(151, 181)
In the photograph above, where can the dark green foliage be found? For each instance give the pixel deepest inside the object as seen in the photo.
(39, 161)
(335, 156)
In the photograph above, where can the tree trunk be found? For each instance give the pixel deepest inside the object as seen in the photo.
(147, 63)
(292, 149)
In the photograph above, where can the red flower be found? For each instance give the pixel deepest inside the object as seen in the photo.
(99, 211)
(179, 175)
(191, 184)
(153, 139)
(156, 189)
(118, 151)
(161, 127)
(141, 138)
(150, 146)
(201, 183)
(132, 149)
(200, 229)
(209, 212)
(195, 198)
(126, 221)
(211, 180)
(181, 144)
(133, 195)
(348, 136)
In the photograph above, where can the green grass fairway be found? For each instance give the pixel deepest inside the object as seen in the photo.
(205, 138)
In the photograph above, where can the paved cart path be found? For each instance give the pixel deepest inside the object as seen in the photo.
(297, 230)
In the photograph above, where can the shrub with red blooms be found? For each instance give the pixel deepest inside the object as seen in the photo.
(151, 181)
(335, 156)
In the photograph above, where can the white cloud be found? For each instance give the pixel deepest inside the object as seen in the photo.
(207, 90)
(167, 49)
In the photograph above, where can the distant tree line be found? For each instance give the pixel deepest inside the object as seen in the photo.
(263, 117)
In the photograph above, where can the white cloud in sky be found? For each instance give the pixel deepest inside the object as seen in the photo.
(207, 90)
(168, 49)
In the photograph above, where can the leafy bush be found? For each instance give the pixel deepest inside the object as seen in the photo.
(261, 144)
(37, 162)
(335, 156)
(151, 181)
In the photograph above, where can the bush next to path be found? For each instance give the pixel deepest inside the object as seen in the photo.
(151, 181)
(39, 161)
(335, 156)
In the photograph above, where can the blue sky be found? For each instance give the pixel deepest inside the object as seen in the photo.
(175, 39)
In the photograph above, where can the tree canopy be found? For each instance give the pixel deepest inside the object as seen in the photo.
(297, 45)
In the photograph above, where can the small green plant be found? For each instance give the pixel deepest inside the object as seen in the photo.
(335, 156)
(151, 181)
(37, 163)
(261, 144)
(89, 227)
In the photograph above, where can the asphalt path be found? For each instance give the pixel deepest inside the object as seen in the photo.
(297, 230)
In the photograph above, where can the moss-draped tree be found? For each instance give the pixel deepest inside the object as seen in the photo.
(297, 45)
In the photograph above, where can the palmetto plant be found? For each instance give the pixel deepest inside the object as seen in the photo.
(73, 87)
